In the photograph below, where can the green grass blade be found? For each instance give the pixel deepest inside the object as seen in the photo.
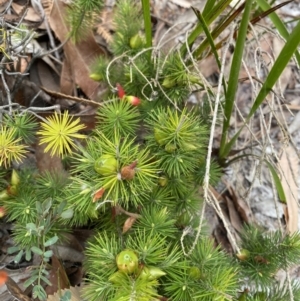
(278, 23)
(208, 35)
(217, 31)
(277, 182)
(234, 74)
(209, 5)
(147, 22)
(211, 11)
(227, 21)
(283, 59)
(210, 39)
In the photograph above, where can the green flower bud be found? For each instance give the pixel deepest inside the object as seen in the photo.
(96, 77)
(170, 148)
(155, 273)
(193, 79)
(168, 83)
(127, 261)
(188, 147)
(3, 195)
(243, 255)
(136, 41)
(195, 273)
(159, 136)
(151, 273)
(12, 190)
(106, 165)
(116, 278)
(15, 179)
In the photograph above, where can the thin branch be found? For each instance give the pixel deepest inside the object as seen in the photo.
(120, 209)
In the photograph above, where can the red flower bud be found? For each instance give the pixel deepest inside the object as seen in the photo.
(128, 172)
(121, 92)
(135, 101)
(3, 277)
(98, 194)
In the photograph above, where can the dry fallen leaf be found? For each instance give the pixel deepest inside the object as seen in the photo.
(234, 217)
(288, 164)
(220, 230)
(30, 15)
(295, 124)
(57, 276)
(79, 56)
(67, 82)
(43, 75)
(221, 237)
(241, 206)
(15, 291)
(128, 223)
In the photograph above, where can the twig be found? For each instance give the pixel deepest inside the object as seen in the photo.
(77, 99)
(36, 4)
(197, 234)
(8, 96)
(38, 109)
(290, 286)
(210, 144)
(134, 215)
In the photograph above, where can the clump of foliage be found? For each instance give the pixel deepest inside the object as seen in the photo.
(136, 178)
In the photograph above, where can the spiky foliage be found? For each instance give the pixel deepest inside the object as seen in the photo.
(3, 179)
(266, 253)
(134, 67)
(98, 69)
(137, 180)
(119, 118)
(207, 275)
(178, 139)
(128, 23)
(176, 78)
(148, 208)
(59, 132)
(24, 124)
(156, 220)
(114, 187)
(81, 16)
(50, 184)
(169, 275)
(11, 148)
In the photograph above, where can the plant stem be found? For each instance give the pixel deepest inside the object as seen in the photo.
(234, 76)
(147, 22)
